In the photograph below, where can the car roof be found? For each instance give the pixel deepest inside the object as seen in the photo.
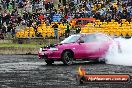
(96, 33)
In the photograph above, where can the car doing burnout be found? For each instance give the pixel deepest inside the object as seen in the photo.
(90, 46)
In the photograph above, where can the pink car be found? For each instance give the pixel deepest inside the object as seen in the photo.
(75, 47)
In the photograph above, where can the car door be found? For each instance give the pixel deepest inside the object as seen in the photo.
(79, 48)
(90, 47)
(104, 42)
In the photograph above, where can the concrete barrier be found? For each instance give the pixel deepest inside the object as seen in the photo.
(6, 41)
(24, 50)
(18, 50)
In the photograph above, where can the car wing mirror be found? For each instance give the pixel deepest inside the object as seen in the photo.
(80, 41)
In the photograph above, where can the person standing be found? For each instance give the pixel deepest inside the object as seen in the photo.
(55, 26)
(78, 29)
(0, 19)
(7, 18)
(67, 31)
(4, 4)
(52, 5)
(7, 3)
(3, 31)
(9, 31)
(13, 30)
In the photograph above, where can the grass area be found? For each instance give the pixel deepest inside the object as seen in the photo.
(21, 45)
(33, 43)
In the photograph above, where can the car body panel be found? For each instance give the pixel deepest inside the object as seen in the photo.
(88, 50)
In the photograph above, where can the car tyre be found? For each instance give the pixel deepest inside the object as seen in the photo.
(67, 58)
(49, 62)
(102, 61)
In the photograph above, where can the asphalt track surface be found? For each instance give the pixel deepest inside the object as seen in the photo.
(26, 71)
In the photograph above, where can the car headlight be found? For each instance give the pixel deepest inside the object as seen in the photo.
(40, 49)
(53, 49)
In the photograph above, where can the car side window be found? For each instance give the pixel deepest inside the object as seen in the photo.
(102, 38)
(90, 38)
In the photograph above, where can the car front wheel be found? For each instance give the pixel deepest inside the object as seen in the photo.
(67, 58)
(49, 62)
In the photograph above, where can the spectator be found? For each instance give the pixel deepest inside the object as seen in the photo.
(19, 19)
(4, 29)
(78, 29)
(67, 31)
(13, 31)
(73, 8)
(66, 17)
(51, 5)
(59, 5)
(4, 4)
(30, 23)
(25, 16)
(21, 4)
(0, 28)
(41, 17)
(7, 3)
(55, 26)
(47, 22)
(7, 18)
(0, 19)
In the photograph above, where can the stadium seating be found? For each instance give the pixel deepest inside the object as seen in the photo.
(111, 28)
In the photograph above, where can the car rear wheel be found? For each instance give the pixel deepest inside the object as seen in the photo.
(67, 58)
(103, 60)
(100, 60)
(49, 62)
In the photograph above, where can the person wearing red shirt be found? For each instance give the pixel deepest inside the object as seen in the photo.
(66, 17)
(41, 17)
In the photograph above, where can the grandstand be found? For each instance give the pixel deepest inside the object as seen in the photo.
(45, 31)
(111, 28)
(111, 17)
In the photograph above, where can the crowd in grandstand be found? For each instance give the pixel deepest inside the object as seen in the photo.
(15, 13)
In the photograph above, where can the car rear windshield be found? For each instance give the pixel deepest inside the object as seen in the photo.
(71, 39)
